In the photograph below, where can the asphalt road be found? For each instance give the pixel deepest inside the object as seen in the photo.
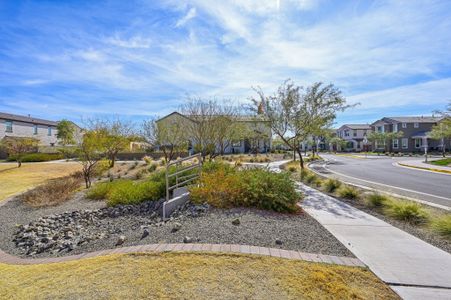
(381, 173)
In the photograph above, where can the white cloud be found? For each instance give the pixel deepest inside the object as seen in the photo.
(189, 15)
(133, 42)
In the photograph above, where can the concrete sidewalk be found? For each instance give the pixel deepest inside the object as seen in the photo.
(420, 164)
(412, 267)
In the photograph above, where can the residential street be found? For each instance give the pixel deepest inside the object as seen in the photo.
(380, 172)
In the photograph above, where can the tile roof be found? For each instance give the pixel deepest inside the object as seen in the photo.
(415, 119)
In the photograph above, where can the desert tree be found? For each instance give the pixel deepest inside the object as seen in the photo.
(66, 132)
(442, 131)
(115, 133)
(295, 114)
(17, 147)
(168, 135)
(90, 151)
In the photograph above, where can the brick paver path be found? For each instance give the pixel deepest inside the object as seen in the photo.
(221, 248)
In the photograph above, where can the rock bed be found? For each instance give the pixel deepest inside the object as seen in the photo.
(83, 230)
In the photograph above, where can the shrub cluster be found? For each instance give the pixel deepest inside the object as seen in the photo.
(442, 225)
(411, 212)
(376, 200)
(224, 186)
(330, 185)
(348, 192)
(38, 157)
(54, 191)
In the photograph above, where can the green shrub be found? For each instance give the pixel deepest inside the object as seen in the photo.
(406, 211)
(99, 191)
(330, 185)
(152, 167)
(348, 192)
(292, 169)
(442, 225)
(38, 157)
(129, 192)
(250, 188)
(376, 200)
(310, 178)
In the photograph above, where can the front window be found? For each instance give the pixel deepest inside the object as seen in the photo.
(355, 133)
(346, 133)
(395, 127)
(380, 128)
(405, 143)
(395, 143)
(418, 143)
(236, 144)
(35, 129)
(404, 125)
(9, 126)
(49, 131)
(416, 125)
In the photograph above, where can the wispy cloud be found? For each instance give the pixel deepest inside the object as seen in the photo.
(143, 58)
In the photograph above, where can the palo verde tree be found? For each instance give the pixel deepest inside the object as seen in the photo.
(66, 132)
(168, 135)
(90, 151)
(116, 135)
(296, 113)
(384, 138)
(442, 131)
(17, 147)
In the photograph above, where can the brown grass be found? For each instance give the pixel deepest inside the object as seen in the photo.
(14, 180)
(54, 191)
(189, 276)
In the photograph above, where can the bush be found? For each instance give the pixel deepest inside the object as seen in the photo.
(129, 192)
(443, 226)
(99, 191)
(147, 160)
(101, 167)
(152, 167)
(348, 192)
(226, 187)
(54, 191)
(407, 211)
(376, 200)
(330, 185)
(38, 157)
(310, 178)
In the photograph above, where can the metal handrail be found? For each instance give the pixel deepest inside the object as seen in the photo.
(185, 178)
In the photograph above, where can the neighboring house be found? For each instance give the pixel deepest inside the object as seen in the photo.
(415, 133)
(257, 125)
(354, 135)
(27, 126)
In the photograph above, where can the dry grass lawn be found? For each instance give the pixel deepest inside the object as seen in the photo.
(189, 276)
(14, 180)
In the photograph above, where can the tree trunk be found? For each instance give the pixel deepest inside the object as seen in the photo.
(19, 163)
(301, 160)
(112, 159)
(443, 148)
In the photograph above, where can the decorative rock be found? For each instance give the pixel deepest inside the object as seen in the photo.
(187, 240)
(145, 233)
(177, 226)
(121, 240)
(279, 242)
(236, 222)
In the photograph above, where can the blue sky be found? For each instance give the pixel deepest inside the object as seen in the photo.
(74, 59)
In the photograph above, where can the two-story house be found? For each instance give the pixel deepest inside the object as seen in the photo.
(354, 135)
(26, 126)
(259, 139)
(415, 131)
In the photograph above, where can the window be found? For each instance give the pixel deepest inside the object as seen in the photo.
(346, 132)
(405, 143)
(364, 133)
(358, 144)
(395, 143)
(35, 129)
(236, 144)
(395, 127)
(8, 126)
(380, 128)
(404, 125)
(49, 131)
(416, 125)
(354, 133)
(418, 143)
(380, 144)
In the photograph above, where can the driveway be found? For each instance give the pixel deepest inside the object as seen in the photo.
(381, 173)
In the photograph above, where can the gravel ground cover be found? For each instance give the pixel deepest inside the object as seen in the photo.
(84, 226)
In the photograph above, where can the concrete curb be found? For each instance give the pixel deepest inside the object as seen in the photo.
(215, 248)
(432, 170)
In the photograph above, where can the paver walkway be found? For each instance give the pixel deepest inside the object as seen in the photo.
(222, 248)
(412, 267)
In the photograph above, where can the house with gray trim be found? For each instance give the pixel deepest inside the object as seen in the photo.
(354, 135)
(415, 133)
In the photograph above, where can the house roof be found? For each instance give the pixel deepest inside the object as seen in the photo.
(414, 119)
(26, 119)
(243, 118)
(356, 126)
